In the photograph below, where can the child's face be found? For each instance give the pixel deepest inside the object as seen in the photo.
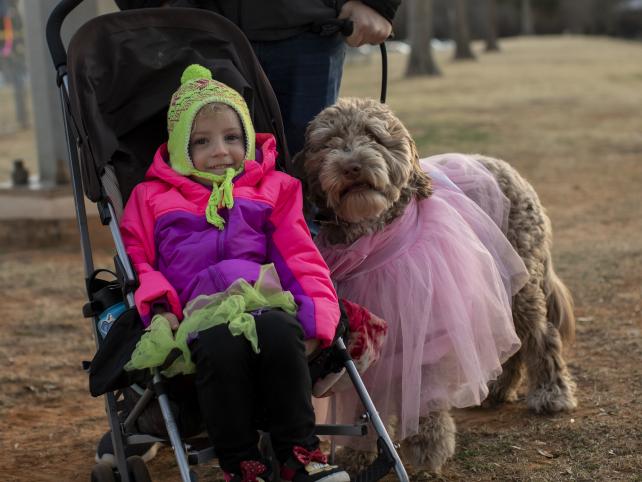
(216, 142)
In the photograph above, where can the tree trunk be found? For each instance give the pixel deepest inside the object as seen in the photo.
(578, 15)
(462, 32)
(527, 18)
(491, 26)
(421, 60)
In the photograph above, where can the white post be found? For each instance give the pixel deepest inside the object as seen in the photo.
(47, 117)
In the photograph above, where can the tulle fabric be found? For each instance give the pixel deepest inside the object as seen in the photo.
(442, 276)
(233, 306)
(474, 180)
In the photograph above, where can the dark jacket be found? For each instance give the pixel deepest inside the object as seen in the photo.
(264, 20)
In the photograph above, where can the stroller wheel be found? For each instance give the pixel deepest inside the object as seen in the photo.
(102, 472)
(137, 469)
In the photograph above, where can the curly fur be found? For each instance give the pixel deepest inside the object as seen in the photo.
(361, 168)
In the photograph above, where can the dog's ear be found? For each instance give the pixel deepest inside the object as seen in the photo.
(419, 179)
(421, 183)
(297, 167)
(306, 170)
(413, 149)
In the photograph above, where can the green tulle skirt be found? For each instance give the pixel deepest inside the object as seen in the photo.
(233, 306)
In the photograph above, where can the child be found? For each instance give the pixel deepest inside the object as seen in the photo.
(213, 229)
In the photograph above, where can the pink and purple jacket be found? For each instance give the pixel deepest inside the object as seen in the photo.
(178, 255)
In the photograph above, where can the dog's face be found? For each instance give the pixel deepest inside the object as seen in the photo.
(357, 158)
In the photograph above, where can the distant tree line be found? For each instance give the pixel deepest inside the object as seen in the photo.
(516, 17)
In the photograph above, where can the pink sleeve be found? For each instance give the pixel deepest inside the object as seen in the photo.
(137, 230)
(301, 268)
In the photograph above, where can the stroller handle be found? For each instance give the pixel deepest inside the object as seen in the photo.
(54, 25)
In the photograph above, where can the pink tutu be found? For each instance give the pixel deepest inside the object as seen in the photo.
(442, 276)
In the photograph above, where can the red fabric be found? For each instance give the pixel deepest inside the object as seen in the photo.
(305, 456)
(367, 333)
(250, 469)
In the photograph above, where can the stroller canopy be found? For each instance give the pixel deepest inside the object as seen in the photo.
(124, 67)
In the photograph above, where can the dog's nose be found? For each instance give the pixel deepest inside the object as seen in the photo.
(353, 169)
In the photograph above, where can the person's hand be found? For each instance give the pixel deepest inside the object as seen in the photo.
(311, 346)
(171, 317)
(369, 26)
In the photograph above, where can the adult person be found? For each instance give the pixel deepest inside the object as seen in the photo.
(303, 67)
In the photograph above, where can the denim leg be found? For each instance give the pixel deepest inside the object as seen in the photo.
(305, 74)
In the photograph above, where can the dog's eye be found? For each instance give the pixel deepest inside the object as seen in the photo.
(335, 143)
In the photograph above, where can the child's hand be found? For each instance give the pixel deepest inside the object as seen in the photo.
(171, 317)
(311, 346)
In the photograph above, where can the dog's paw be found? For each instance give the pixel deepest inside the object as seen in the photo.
(433, 445)
(552, 398)
(354, 461)
(498, 393)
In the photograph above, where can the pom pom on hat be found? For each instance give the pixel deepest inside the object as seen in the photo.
(195, 72)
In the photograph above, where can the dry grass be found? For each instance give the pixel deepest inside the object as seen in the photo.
(566, 112)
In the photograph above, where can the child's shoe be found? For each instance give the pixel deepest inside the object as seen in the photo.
(251, 471)
(311, 466)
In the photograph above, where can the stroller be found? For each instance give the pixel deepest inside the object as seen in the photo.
(115, 82)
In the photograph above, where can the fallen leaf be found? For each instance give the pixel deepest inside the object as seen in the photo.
(516, 447)
(546, 454)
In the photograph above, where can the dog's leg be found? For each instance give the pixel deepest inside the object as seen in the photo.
(550, 387)
(504, 389)
(354, 461)
(433, 445)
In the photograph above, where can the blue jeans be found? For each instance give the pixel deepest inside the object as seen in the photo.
(305, 74)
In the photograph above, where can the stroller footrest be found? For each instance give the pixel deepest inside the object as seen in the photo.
(347, 430)
(195, 457)
(138, 439)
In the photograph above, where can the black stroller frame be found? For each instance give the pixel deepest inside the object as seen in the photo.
(133, 469)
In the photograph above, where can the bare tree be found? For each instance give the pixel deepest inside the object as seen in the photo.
(579, 16)
(461, 31)
(491, 26)
(421, 60)
(527, 18)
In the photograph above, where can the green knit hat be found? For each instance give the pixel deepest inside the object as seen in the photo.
(198, 89)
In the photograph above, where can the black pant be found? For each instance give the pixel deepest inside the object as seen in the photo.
(240, 391)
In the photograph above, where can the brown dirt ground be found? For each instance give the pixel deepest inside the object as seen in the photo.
(566, 112)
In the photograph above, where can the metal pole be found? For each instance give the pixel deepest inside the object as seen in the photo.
(172, 430)
(374, 415)
(76, 184)
(50, 137)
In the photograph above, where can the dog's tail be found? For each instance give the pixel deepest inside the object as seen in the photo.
(559, 304)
